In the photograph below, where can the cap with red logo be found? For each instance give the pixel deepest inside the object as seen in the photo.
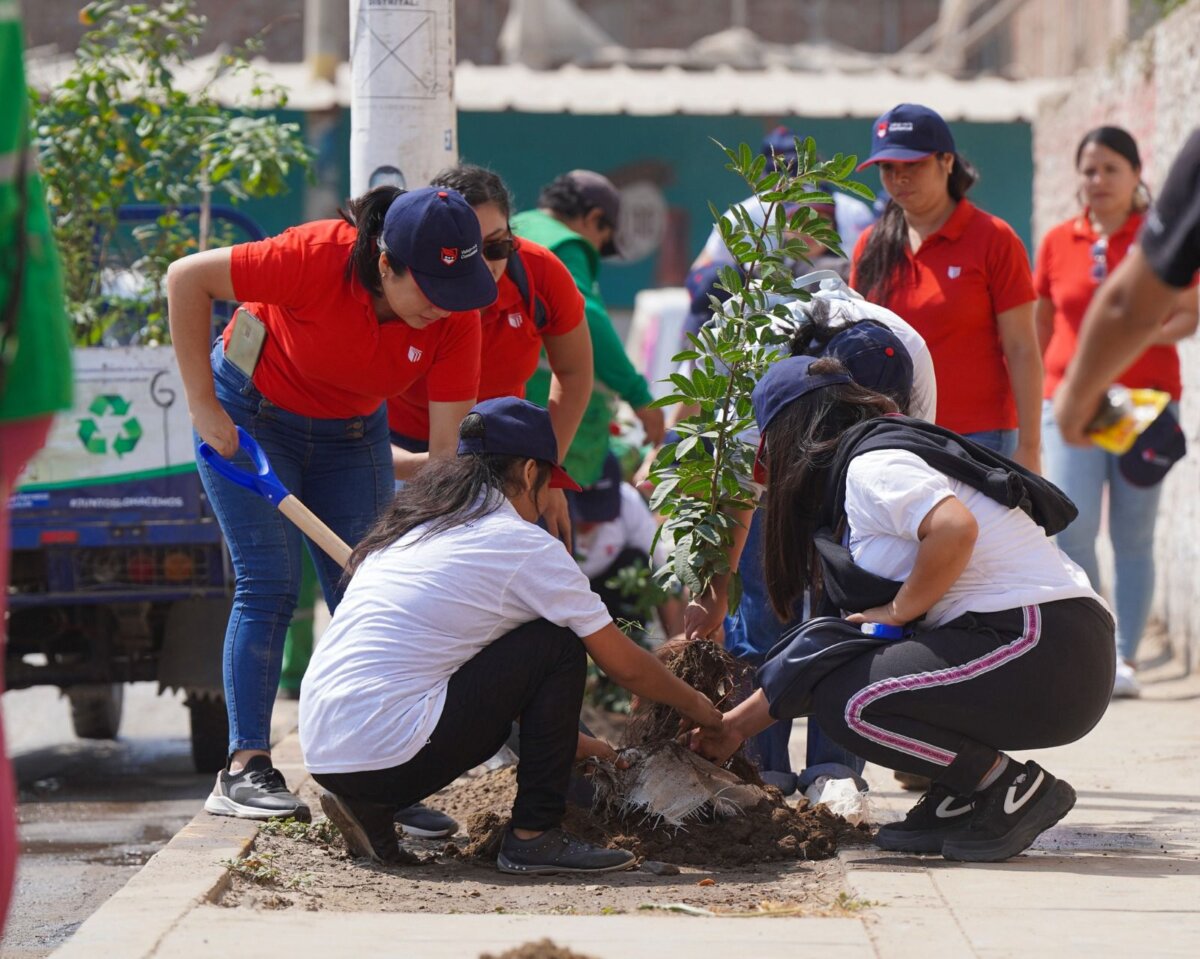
(908, 132)
(435, 234)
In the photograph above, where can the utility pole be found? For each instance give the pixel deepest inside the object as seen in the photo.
(403, 125)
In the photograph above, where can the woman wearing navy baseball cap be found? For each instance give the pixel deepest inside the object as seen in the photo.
(460, 617)
(336, 316)
(981, 635)
(961, 277)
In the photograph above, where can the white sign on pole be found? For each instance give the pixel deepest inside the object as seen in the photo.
(403, 126)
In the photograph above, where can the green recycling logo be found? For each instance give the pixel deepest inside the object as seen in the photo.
(95, 430)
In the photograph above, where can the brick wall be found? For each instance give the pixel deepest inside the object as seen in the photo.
(1150, 87)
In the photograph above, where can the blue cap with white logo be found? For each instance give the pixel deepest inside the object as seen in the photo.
(435, 234)
(907, 133)
(516, 427)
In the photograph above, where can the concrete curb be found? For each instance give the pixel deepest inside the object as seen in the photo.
(186, 873)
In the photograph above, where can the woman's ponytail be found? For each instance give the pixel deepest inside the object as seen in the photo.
(366, 213)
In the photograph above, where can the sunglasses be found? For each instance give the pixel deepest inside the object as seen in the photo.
(1100, 259)
(501, 249)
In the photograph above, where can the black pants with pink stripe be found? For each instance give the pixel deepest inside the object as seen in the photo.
(944, 703)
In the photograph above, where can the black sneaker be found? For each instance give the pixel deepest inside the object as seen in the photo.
(257, 792)
(555, 851)
(1010, 814)
(367, 828)
(425, 823)
(936, 815)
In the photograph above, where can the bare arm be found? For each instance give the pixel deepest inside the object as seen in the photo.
(628, 665)
(1123, 319)
(748, 718)
(1182, 321)
(192, 284)
(1043, 320)
(947, 539)
(1019, 341)
(570, 357)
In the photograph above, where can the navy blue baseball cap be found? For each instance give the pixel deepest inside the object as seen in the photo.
(875, 358)
(907, 133)
(435, 234)
(787, 381)
(516, 427)
(779, 147)
(1158, 447)
(600, 502)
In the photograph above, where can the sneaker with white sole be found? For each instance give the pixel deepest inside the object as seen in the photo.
(937, 814)
(555, 852)
(425, 823)
(258, 791)
(1125, 684)
(1010, 814)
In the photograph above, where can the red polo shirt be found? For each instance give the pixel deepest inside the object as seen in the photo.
(326, 354)
(1064, 276)
(964, 275)
(511, 339)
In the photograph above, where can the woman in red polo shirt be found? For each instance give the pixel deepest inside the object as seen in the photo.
(961, 278)
(1074, 259)
(336, 316)
(538, 307)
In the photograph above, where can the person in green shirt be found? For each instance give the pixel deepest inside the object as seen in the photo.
(35, 352)
(577, 219)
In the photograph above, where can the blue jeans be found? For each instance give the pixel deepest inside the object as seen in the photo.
(341, 469)
(1003, 442)
(749, 635)
(1083, 473)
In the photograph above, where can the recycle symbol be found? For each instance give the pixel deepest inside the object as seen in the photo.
(107, 409)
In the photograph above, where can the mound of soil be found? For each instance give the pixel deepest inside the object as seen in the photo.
(542, 949)
(770, 831)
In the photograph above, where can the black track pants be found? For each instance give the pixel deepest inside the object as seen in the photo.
(944, 703)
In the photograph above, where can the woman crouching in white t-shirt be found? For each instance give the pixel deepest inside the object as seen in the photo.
(996, 641)
(462, 616)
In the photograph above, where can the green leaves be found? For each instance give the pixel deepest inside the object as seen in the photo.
(703, 480)
(118, 130)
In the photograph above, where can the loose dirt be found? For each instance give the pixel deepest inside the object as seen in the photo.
(542, 949)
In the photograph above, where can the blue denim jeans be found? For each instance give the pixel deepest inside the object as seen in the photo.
(1083, 473)
(341, 469)
(749, 635)
(1003, 442)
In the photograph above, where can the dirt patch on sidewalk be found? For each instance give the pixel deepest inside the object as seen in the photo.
(294, 867)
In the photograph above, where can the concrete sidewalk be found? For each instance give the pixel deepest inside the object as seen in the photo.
(1120, 876)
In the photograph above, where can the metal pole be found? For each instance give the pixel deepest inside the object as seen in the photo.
(403, 126)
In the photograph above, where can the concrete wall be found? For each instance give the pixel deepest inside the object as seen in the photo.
(1150, 88)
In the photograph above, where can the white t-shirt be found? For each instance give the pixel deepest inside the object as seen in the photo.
(412, 615)
(597, 546)
(1014, 563)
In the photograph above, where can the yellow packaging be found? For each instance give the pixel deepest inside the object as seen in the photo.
(1126, 415)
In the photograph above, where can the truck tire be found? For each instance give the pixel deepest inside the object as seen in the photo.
(210, 732)
(96, 710)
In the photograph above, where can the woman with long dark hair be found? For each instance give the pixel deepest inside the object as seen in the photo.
(462, 616)
(961, 277)
(966, 631)
(336, 316)
(1075, 257)
(538, 307)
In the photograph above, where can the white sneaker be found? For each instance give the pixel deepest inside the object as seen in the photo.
(1125, 684)
(842, 796)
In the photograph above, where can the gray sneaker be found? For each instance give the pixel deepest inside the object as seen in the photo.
(554, 852)
(425, 823)
(256, 792)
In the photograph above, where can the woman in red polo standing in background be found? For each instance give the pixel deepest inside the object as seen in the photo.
(961, 278)
(1074, 259)
(538, 307)
(336, 316)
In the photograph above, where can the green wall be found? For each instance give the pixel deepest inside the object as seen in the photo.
(529, 150)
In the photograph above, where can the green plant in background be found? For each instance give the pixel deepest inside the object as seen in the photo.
(119, 128)
(702, 480)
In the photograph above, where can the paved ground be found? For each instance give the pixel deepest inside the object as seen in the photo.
(1120, 877)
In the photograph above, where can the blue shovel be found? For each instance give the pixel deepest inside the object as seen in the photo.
(266, 484)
